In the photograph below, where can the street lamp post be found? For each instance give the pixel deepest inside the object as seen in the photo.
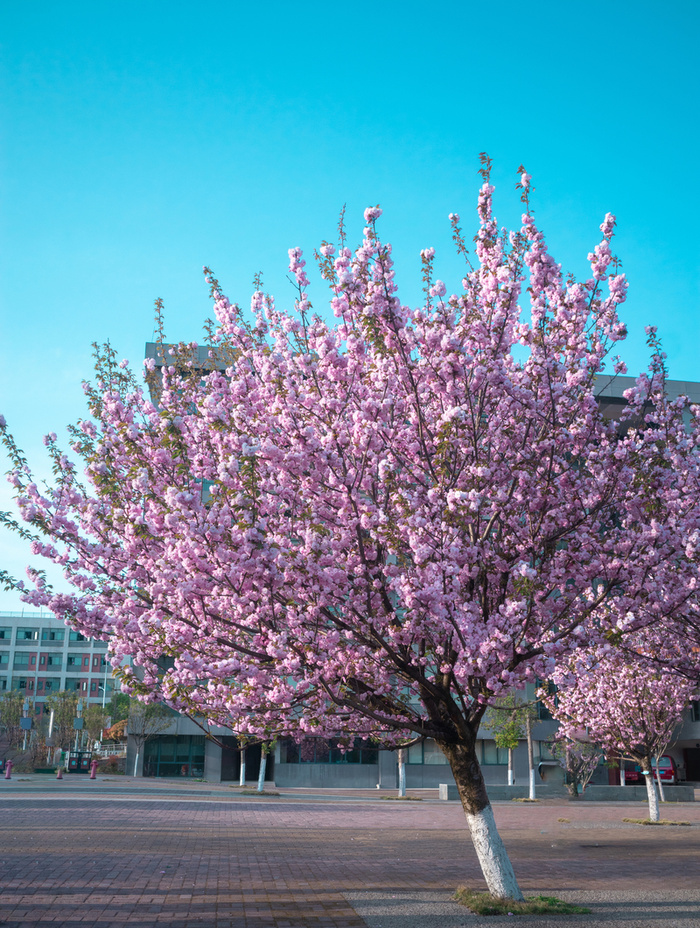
(78, 722)
(26, 722)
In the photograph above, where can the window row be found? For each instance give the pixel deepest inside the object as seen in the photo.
(46, 635)
(53, 685)
(322, 751)
(24, 659)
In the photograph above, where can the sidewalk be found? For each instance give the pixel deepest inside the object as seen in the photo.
(115, 852)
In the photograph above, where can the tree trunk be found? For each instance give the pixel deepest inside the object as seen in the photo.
(622, 771)
(652, 795)
(490, 850)
(658, 779)
(511, 778)
(263, 765)
(402, 772)
(241, 779)
(530, 758)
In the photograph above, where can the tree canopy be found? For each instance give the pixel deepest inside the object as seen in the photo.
(379, 526)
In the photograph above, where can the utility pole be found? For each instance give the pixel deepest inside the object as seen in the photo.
(26, 722)
(78, 721)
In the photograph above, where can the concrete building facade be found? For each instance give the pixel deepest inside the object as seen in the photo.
(39, 656)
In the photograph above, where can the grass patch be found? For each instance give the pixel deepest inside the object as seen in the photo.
(486, 904)
(647, 821)
(404, 798)
(252, 791)
(564, 821)
(524, 799)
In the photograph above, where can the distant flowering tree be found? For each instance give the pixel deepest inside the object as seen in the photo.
(579, 760)
(627, 705)
(11, 731)
(376, 527)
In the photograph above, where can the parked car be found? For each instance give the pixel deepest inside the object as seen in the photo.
(667, 771)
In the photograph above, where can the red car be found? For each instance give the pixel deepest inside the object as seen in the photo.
(667, 771)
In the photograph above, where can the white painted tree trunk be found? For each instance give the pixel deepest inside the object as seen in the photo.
(511, 778)
(402, 772)
(241, 779)
(261, 775)
(530, 759)
(658, 780)
(136, 764)
(495, 864)
(490, 850)
(652, 797)
(622, 772)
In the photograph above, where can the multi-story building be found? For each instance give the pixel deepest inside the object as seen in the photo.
(39, 656)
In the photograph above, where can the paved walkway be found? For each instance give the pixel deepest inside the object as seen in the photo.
(119, 852)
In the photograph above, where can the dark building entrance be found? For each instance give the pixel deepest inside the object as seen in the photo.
(692, 764)
(174, 756)
(231, 761)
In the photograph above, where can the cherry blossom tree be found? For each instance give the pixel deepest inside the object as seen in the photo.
(579, 760)
(626, 704)
(376, 527)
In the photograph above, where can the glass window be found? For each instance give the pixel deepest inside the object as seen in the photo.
(493, 755)
(695, 710)
(54, 660)
(321, 751)
(4, 658)
(21, 659)
(53, 634)
(74, 636)
(415, 753)
(351, 755)
(174, 756)
(543, 713)
(168, 744)
(27, 634)
(432, 753)
(5, 633)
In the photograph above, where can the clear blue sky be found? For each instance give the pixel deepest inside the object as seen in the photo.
(143, 140)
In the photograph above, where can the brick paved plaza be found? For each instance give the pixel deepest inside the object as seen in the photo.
(220, 860)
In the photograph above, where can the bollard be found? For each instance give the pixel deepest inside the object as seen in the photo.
(59, 773)
(93, 770)
(8, 770)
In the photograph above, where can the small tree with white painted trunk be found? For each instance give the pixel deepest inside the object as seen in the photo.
(509, 720)
(627, 705)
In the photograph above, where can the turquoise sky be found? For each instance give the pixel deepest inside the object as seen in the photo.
(141, 140)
